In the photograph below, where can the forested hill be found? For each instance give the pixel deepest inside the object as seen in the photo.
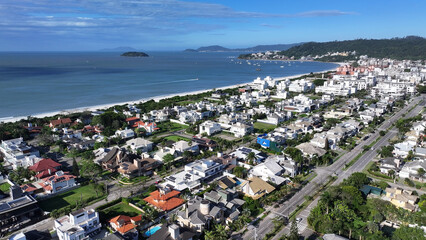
(411, 47)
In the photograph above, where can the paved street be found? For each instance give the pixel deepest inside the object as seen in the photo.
(266, 225)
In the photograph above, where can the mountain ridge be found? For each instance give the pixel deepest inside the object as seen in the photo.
(218, 48)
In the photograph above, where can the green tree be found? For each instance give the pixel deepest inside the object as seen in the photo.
(75, 170)
(294, 232)
(90, 169)
(251, 157)
(357, 180)
(408, 233)
(168, 159)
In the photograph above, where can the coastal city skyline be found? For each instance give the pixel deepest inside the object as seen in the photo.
(176, 25)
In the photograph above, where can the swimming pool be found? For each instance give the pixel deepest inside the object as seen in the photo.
(152, 231)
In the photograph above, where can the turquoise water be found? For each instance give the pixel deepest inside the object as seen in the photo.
(37, 82)
(152, 231)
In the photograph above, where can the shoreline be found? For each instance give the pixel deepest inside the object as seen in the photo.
(156, 98)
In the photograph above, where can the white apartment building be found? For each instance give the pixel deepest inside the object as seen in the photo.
(210, 127)
(77, 225)
(301, 86)
(17, 153)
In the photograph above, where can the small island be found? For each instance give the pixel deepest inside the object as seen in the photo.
(134, 54)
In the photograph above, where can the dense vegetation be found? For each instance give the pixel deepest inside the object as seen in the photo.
(344, 210)
(410, 47)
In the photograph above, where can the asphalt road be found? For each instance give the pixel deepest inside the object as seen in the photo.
(266, 225)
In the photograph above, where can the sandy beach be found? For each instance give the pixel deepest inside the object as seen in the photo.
(157, 98)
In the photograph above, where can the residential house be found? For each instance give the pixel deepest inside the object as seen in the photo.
(198, 214)
(240, 129)
(204, 144)
(124, 134)
(229, 162)
(182, 180)
(126, 226)
(139, 167)
(243, 152)
(227, 199)
(255, 187)
(18, 210)
(388, 164)
(113, 158)
(402, 198)
(227, 182)
(301, 85)
(411, 170)
(402, 149)
(182, 146)
(310, 150)
(139, 144)
(210, 127)
(58, 182)
(45, 167)
(77, 225)
(15, 150)
(60, 122)
(173, 232)
(289, 166)
(269, 170)
(164, 199)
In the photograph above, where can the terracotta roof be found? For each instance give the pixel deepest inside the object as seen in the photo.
(158, 196)
(60, 121)
(124, 223)
(165, 202)
(132, 119)
(44, 165)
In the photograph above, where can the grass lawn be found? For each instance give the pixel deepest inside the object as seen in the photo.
(135, 179)
(176, 138)
(4, 187)
(264, 126)
(70, 198)
(171, 126)
(118, 209)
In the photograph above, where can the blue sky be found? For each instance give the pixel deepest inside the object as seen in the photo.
(71, 25)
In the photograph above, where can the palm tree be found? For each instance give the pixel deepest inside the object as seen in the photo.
(221, 233)
(251, 156)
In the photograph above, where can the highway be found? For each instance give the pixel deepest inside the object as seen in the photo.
(266, 225)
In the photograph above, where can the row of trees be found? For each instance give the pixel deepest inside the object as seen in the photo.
(344, 210)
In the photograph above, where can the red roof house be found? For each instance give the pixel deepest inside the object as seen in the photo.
(165, 199)
(132, 120)
(60, 121)
(125, 224)
(45, 167)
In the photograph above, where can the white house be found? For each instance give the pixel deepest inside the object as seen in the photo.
(301, 85)
(193, 174)
(140, 144)
(410, 170)
(181, 146)
(268, 171)
(16, 149)
(53, 184)
(77, 225)
(126, 133)
(240, 129)
(402, 149)
(210, 127)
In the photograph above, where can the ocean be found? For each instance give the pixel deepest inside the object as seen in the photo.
(41, 82)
